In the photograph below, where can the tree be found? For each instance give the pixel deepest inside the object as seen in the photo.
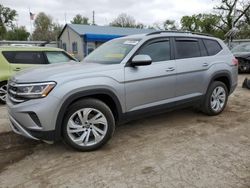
(79, 19)
(7, 16)
(229, 13)
(17, 33)
(244, 32)
(124, 20)
(169, 25)
(140, 26)
(203, 23)
(190, 23)
(232, 12)
(247, 17)
(45, 29)
(166, 25)
(57, 29)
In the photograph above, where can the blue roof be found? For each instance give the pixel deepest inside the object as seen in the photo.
(92, 33)
(106, 30)
(99, 37)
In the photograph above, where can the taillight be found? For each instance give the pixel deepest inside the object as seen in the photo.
(235, 62)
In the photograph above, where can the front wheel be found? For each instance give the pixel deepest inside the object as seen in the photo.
(3, 92)
(215, 99)
(88, 125)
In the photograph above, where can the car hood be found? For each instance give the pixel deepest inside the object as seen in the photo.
(61, 71)
(242, 54)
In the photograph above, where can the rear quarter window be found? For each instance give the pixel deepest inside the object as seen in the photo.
(19, 57)
(212, 46)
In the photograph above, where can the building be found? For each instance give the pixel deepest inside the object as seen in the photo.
(80, 40)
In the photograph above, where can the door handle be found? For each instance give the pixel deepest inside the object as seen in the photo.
(205, 64)
(17, 69)
(169, 69)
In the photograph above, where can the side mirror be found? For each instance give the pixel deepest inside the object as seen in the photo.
(141, 60)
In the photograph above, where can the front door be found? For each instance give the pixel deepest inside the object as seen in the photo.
(151, 85)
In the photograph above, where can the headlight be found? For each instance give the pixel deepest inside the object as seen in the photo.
(34, 90)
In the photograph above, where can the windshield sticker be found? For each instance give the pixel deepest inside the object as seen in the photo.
(116, 56)
(131, 42)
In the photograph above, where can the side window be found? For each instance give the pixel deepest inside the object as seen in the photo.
(57, 57)
(74, 47)
(187, 48)
(203, 48)
(213, 47)
(24, 57)
(158, 51)
(64, 46)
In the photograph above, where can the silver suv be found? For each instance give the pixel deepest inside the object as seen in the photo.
(124, 78)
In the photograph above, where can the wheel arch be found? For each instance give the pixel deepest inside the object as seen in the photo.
(4, 82)
(104, 95)
(223, 77)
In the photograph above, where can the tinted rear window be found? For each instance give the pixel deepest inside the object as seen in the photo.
(187, 48)
(24, 57)
(213, 47)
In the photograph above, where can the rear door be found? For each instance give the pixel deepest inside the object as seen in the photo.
(20, 60)
(192, 63)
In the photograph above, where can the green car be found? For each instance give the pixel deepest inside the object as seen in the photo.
(14, 59)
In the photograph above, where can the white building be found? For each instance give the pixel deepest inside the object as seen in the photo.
(80, 40)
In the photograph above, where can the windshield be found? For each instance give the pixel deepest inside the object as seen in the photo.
(112, 52)
(242, 48)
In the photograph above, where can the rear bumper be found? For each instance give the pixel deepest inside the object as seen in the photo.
(233, 87)
(32, 134)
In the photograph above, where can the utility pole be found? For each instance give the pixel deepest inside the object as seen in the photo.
(93, 19)
(233, 31)
(30, 23)
(65, 18)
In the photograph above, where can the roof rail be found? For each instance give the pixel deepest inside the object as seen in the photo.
(199, 33)
(177, 31)
(167, 31)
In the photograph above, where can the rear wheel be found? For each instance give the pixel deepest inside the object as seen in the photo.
(215, 99)
(3, 92)
(88, 125)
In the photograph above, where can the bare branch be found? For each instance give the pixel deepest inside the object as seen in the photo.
(242, 14)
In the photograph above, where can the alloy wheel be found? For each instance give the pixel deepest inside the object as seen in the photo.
(218, 99)
(3, 92)
(87, 127)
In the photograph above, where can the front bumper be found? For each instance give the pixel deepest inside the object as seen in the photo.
(35, 119)
(18, 129)
(47, 136)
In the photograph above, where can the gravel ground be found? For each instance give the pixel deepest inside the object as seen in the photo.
(176, 149)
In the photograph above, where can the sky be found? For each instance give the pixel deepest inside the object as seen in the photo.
(147, 12)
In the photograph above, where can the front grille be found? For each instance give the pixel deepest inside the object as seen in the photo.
(12, 93)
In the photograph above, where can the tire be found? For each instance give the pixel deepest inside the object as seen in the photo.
(3, 92)
(216, 99)
(88, 125)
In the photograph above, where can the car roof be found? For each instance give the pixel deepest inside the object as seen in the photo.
(169, 34)
(28, 48)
